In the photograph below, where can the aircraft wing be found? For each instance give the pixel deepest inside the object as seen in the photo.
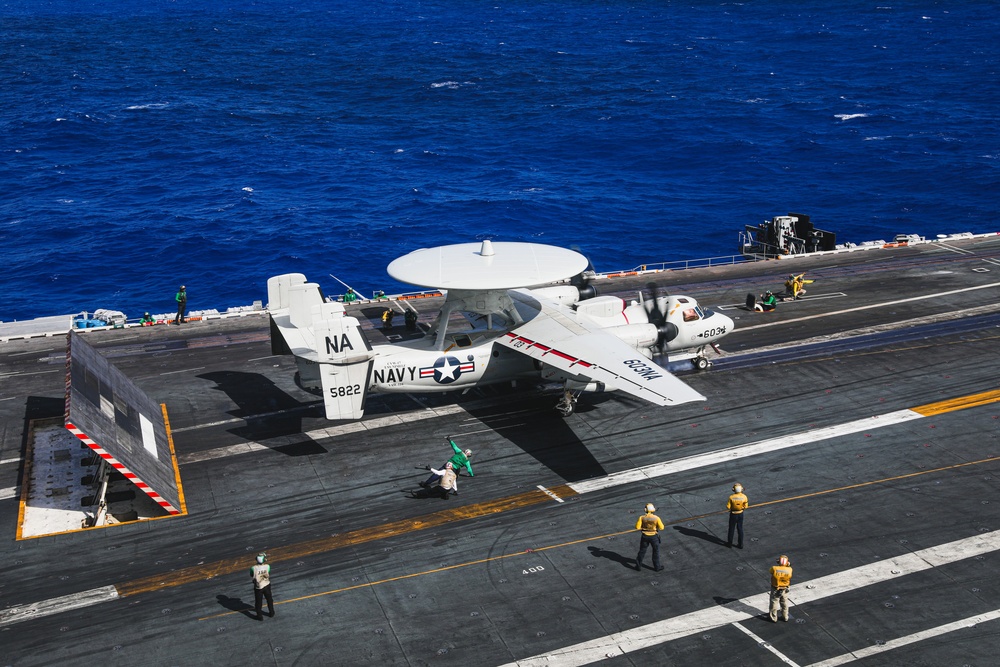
(560, 338)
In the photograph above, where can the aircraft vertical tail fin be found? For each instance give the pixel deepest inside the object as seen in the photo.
(331, 351)
(345, 361)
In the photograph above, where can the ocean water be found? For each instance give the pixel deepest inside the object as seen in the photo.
(216, 143)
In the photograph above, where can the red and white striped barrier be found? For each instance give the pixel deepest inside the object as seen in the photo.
(129, 475)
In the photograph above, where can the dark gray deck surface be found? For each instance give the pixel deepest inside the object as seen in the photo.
(523, 581)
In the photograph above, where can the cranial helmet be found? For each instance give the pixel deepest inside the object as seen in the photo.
(783, 560)
(650, 508)
(261, 557)
(449, 464)
(737, 487)
(468, 452)
(768, 292)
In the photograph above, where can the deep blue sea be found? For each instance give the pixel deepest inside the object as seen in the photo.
(218, 142)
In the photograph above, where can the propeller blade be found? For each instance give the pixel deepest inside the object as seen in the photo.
(581, 281)
(666, 330)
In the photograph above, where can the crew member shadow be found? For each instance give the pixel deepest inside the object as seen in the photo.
(734, 604)
(701, 535)
(598, 552)
(236, 604)
(425, 494)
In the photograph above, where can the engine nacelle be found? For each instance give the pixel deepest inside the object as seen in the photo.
(566, 295)
(639, 336)
(591, 387)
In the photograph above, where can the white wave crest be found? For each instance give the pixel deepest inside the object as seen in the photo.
(152, 105)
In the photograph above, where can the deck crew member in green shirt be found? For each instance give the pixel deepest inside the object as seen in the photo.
(182, 302)
(458, 461)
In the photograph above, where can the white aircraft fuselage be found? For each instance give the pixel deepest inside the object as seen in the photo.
(490, 330)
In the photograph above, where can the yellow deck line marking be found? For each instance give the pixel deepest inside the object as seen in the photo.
(363, 535)
(960, 403)
(173, 459)
(675, 522)
(352, 538)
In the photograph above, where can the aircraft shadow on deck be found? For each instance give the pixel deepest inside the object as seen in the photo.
(544, 435)
(269, 412)
(43, 407)
(37, 408)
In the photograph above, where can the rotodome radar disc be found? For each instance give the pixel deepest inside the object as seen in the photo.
(487, 265)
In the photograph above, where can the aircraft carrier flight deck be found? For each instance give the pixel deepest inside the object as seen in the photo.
(863, 421)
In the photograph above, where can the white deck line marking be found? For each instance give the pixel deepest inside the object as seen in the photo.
(871, 329)
(550, 494)
(959, 251)
(27, 612)
(760, 642)
(817, 297)
(210, 424)
(705, 620)
(742, 451)
(873, 305)
(930, 633)
(17, 375)
(4, 461)
(185, 370)
(9, 492)
(259, 415)
(318, 434)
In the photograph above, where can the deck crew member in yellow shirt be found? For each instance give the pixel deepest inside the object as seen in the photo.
(736, 505)
(650, 525)
(781, 579)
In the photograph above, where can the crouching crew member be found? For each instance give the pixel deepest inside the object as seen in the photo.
(459, 460)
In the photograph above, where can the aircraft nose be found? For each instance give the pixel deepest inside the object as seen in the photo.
(726, 323)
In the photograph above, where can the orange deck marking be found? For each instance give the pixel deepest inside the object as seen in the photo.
(959, 403)
(339, 541)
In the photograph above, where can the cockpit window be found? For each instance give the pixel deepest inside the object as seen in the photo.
(691, 315)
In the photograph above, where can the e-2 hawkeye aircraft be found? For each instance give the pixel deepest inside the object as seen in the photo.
(557, 332)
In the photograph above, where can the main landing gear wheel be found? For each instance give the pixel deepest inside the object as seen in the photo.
(566, 404)
(701, 363)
